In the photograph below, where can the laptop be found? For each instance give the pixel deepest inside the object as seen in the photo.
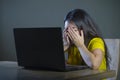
(41, 48)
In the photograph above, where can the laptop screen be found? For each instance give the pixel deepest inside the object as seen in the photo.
(39, 47)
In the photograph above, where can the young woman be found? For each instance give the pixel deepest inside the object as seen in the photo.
(83, 41)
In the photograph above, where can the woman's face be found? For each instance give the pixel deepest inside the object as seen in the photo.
(71, 25)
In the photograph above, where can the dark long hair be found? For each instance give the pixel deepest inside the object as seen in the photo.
(83, 21)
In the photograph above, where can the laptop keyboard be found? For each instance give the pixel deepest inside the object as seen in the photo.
(76, 67)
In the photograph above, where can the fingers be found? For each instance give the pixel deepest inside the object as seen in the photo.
(72, 33)
(70, 37)
(66, 37)
(68, 40)
(64, 34)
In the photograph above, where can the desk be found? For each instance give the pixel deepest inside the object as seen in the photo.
(11, 71)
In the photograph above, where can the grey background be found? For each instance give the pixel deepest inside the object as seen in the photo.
(47, 13)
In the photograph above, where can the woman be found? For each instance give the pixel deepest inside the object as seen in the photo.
(83, 41)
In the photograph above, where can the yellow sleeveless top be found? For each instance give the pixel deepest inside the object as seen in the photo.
(75, 58)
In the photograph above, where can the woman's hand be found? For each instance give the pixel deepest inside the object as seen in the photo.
(66, 41)
(76, 38)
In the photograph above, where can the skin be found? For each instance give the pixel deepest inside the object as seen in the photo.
(92, 58)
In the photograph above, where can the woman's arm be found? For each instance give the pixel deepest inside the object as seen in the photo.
(94, 58)
(65, 48)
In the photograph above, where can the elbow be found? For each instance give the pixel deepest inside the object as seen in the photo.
(95, 67)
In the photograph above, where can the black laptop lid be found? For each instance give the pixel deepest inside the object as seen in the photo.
(39, 47)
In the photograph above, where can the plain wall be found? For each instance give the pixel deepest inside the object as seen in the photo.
(50, 13)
